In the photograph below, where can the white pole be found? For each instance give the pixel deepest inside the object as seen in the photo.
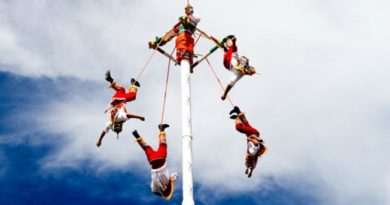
(188, 197)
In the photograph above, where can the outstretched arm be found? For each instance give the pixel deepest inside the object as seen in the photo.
(175, 28)
(107, 129)
(99, 142)
(129, 116)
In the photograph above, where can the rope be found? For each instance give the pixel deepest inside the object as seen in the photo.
(196, 55)
(166, 89)
(197, 40)
(219, 81)
(147, 62)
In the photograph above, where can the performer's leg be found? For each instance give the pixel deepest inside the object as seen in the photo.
(235, 110)
(141, 141)
(242, 117)
(115, 85)
(234, 79)
(167, 37)
(132, 94)
(243, 126)
(161, 41)
(153, 156)
(108, 76)
(162, 135)
(226, 91)
(246, 129)
(120, 91)
(162, 148)
(162, 138)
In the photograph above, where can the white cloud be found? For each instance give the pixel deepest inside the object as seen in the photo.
(320, 103)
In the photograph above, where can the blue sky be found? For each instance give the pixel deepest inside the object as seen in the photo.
(321, 102)
(23, 180)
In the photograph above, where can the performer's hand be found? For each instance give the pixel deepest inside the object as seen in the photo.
(251, 71)
(174, 176)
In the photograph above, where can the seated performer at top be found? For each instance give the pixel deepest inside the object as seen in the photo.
(117, 111)
(162, 182)
(239, 66)
(255, 145)
(184, 30)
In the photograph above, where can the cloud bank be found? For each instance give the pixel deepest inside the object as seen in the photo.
(320, 101)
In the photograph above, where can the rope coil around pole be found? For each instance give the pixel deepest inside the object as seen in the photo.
(166, 89)
(219, 81)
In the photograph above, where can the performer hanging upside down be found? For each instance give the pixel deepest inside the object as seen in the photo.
(121, 95)
(255, 145)
(162, 182)
(117, 111)
(239, 66)
(184, 30)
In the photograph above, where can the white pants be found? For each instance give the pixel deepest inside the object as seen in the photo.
(235, 78)
(161, 178)
(237, 75)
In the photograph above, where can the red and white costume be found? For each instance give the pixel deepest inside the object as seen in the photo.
(121, 94)
(231, 61)
(255, 147)
(117, 110)
(254, 151)
(116, 114)
(229, 55)
(160, 154)
(244, 127)
(162, 182)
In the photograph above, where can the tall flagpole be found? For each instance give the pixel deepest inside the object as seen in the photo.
(188, 197)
